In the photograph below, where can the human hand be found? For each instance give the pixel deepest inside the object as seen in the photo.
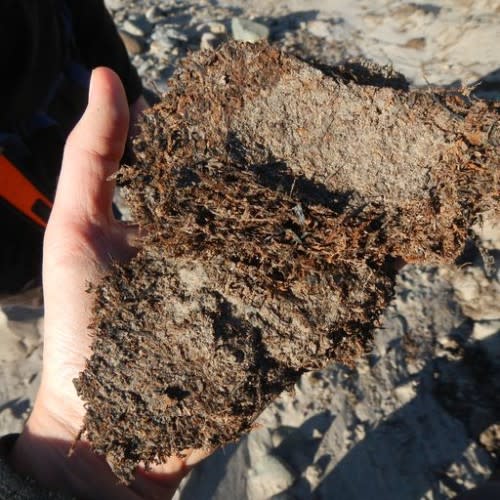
(81, 241)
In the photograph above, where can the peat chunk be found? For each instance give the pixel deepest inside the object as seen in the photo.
(278, 203)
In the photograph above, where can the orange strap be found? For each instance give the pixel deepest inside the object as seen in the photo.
(21, 194)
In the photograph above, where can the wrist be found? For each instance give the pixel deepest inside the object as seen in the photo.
(46, 451)
(54, 464)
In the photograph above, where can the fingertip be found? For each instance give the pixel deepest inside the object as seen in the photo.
(107, 114)
(93, 151)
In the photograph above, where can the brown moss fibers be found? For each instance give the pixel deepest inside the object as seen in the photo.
(278, 202)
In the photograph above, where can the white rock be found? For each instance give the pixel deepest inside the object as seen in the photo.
(144, 68)
(483, 330)
(208, 41)
(176, 35)
(163, 46)
(405, 392)
(362, 412)
(217, 28)
(359, 433)
(313, 474)
(487, 333)
(133, 29)
(164, 32)
(141, 22)
(154, 15)
(248, 31)
(115, 4)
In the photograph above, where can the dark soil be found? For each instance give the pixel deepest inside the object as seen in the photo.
(278, 201)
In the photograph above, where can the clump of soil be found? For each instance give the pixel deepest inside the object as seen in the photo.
(278, 202)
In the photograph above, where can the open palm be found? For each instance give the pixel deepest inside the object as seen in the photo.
(81, 240)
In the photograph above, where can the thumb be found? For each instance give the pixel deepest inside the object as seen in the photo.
(92, 153)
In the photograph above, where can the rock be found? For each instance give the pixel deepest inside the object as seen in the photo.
(245, 30)
(144, 68)
(208, 41)
(141, 23)
(133, 45)
(164, 33)
(217, 28)
(485, 329)
(133, 29)
(488, 334)
(174, 34)
(490, 438)
(313, 474)
(162, 46)
(405, 392)
(154, 15)
(115, 4)
(268, 477)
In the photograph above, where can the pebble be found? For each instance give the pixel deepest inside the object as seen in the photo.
(176, 35)
(133, 45)
(143, 69)
(248, 31)
(154, 15)
(133, 29)
(313, 474)
(162, 46)
(208, 41)
(164, 33)
(141, 22)
(405, 392)
(217, 28)
(116, 4)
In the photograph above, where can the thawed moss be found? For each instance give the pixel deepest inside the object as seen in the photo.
(278, 203)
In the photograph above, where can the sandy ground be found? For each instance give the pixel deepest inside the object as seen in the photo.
(416, 418)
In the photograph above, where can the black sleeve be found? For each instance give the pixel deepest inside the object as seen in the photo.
(99, 44)
(13, 485)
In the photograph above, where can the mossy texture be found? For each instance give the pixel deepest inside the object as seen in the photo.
(278, 201)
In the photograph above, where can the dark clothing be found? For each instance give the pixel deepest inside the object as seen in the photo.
(48, 49)
(37, 39)
(15, 487)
